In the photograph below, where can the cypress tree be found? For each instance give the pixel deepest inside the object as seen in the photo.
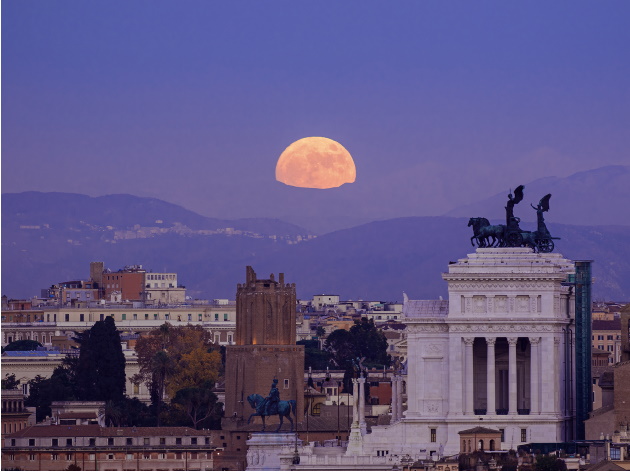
(101, 366)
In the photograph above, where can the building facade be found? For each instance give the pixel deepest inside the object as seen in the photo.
(91, 447)
(497, 357)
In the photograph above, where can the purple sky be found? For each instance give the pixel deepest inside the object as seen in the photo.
(193, 101)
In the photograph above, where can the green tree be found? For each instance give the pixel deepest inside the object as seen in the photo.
(313, 356)
(9, 381)
(175, 358)
(549, 463)
(199, 403)
(22, 345)
(61, 386)
(101, 366)
(363, 340)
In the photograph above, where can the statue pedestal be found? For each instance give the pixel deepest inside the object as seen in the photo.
(264, 449)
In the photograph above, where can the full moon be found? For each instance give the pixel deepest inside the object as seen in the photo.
(317, 163)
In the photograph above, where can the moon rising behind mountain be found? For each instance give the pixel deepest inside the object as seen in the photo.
(317, 163)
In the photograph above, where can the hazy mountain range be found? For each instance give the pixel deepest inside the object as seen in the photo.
(52, 237)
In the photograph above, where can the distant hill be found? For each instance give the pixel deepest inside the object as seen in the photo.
(592, 197)
(51, 240)
(64, 211)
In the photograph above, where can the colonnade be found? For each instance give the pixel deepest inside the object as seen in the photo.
(397, 395)
(535, 378)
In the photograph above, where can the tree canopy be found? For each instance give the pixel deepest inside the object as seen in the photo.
(22, 345)
(100, 372)
(173, 359)
(363, 340)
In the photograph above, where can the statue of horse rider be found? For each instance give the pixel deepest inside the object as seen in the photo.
(269, 407)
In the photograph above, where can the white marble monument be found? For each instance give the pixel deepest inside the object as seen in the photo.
(492, 356)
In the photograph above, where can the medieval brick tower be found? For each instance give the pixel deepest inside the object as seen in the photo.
(265, 346)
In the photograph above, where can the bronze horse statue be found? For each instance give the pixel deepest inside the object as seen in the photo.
(483, 232)
(284, 410)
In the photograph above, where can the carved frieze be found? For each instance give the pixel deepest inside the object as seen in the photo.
(423, 328)
(517, 328)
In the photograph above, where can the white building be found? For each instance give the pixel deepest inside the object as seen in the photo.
(495, 358)
(492, 356)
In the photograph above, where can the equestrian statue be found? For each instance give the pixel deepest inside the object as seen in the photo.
(511, 235)
(271, 406)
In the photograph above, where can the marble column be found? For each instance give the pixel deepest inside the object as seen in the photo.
(491, 383)
(468, 401)
(399, 399)
(355, 401)
(512, 375)
(362, 424)
(394, 399)
(534, 382)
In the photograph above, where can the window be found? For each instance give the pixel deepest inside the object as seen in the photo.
(32, 456)
(124, 317)
(594, 380)
(129, 456)
(433, 435)
(92, 456)
(200, 317)
(225, 317)
(523, 435)
(229, 338)
(155, 316)
(615, 453)
(609, 337)
(81, 317)
(166, 317)
(110, 441)
(609, 347)
(136, 389)
(135, 316)
(600, 337)
(146, 456)
(207, 440)
(54, 456)
(146, 316)
(178, 455)
(238, 437)
(193, 441)
(178, 441)
(162, 440)
(216, 317)
(286, 384)
(601, 347)
(129, 441)
(11, 456)
(146, 441)
(190, 317)
(68, 456)
(193, 456)
(55, 442)
(102, 317)
(110, 456)
(31, 442)
(68, 442)
(161, 456)
(67, 317)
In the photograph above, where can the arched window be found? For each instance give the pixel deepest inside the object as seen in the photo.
(492, 444)
(481, 445)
